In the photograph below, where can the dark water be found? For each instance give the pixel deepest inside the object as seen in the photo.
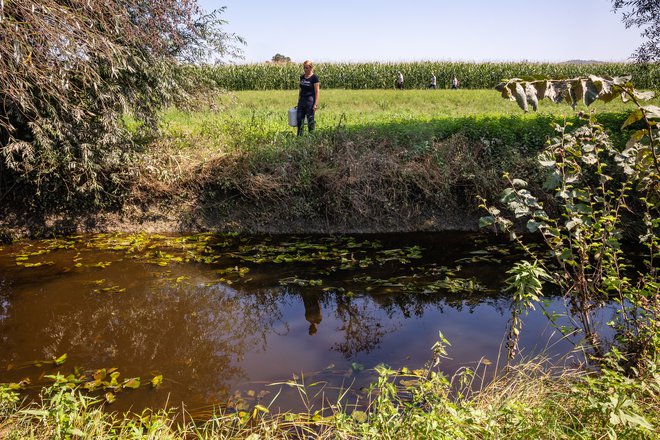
(223, 317)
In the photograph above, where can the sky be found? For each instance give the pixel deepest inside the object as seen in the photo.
(429, 30)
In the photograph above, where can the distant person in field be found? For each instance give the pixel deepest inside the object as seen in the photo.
(399, 80)
(308, 97)
(455, 83)
(433, 81)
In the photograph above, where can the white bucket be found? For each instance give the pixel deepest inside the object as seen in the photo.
(293, 117)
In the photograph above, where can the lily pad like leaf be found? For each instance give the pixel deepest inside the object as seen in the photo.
(157, 381)
(132, 383)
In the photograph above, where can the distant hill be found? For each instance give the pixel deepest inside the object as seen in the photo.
(583, 62)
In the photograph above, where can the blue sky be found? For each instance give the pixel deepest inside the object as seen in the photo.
(420, 30)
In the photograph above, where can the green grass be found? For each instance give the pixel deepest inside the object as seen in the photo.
(529, 400)
(248, 119)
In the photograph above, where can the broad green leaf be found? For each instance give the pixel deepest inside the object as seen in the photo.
(486, 221)
(533, 226)
(565, 254)
(644, 96)
(553, 181)
(652, 111)
(572, 97)
(573, 223)
(521, 98)
(541, 88)
(577, 89)
(547, 159)
(622, 80)
(530, 96)
(634, 117)
(590, 92)
(635, 137)
(508, 195)
(504, 90)
(583, 209)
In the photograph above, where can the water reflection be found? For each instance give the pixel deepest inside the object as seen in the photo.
(221, 315)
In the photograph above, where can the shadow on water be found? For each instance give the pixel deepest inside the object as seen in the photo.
(222, 317)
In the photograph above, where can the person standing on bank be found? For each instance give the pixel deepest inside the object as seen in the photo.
(433, 81)
(308, 97)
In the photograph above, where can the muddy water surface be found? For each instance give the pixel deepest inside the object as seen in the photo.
(221, 318)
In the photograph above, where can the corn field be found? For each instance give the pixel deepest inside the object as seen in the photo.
(284, 76)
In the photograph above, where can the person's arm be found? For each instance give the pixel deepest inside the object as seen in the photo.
(317, 87)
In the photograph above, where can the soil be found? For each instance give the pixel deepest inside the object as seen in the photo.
(180, 217)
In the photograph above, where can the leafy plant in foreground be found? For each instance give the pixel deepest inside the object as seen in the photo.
(599, 190)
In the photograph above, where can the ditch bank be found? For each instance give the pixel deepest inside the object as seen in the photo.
(349, 184)
(339, 181)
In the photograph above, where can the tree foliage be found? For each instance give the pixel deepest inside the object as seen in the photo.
(279, 58)
(70, 70)
(643, 14)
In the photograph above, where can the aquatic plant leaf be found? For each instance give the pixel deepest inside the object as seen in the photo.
(100, 375)
(156, 381)
(132, 383)
(261, 408)
(60, 360)
(359, 416)
(357, 367)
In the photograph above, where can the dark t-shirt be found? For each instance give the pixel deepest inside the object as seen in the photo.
(307, 85)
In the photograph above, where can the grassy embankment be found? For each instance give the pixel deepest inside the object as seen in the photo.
(531, 400)
(380, 160)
